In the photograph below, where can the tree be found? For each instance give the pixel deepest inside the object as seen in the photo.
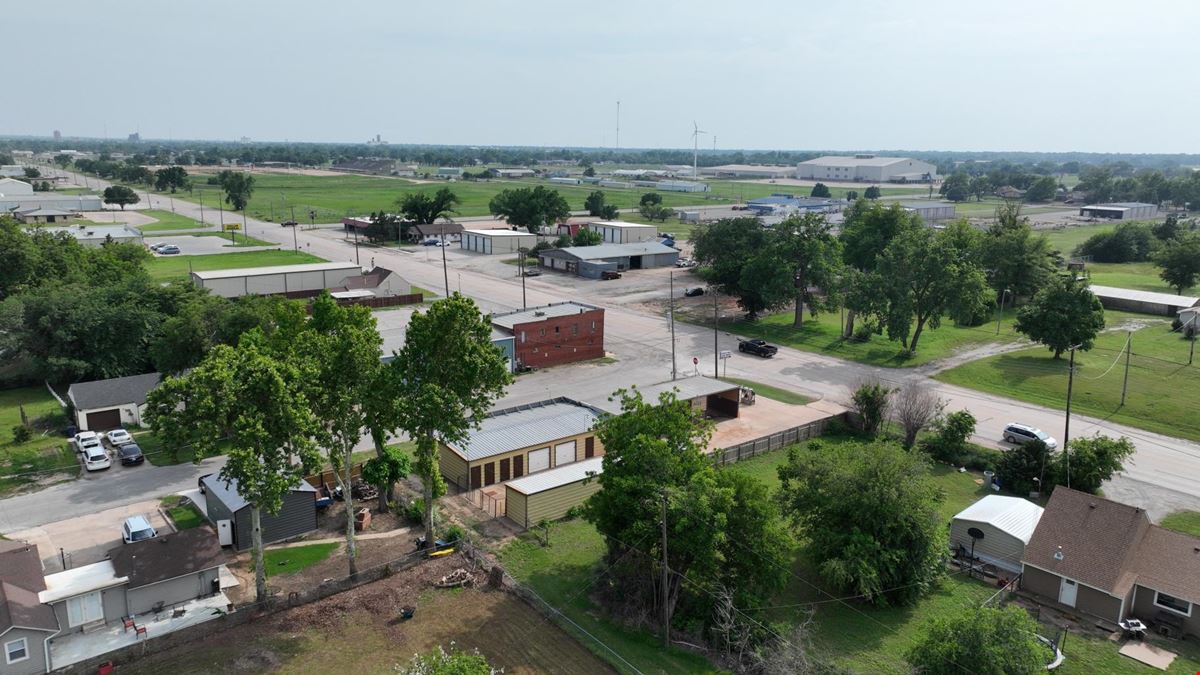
(385, 470)
(1042, 189)
(594, 204)
(589, 171)
(238, 187)
(32, 172)
(1062, 315)
(1168, 229)
(386, 227)
(980, 640)
(120, 195)
(1179, 262)
(870, 514)
(727, 252)
(610, 212)
(172, 178)
(445, 380)
(979, 187)
(820, 190)
(531, 208)
(250, 401)
(867, 229)
(1092, 461)
(1022, 469)
(916, 405)
(650, 198)
(811, 256)
(586, 237)
(871, 402)
(424, 209)
(873, 192)
(851, 195)
(654, 212)
(63, 161)
(925, 275)
(950, 436)
(1128, 242)
(956, 187)
(1018, 259)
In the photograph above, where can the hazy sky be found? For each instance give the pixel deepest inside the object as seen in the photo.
(1092, 75)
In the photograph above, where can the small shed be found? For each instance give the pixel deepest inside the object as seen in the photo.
(1146, 302)
(101, 405)
(230, 513)
(549, 495)
(996, 529)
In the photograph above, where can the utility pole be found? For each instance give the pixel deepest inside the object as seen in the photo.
(1192, 339)
(617, 143)
(716, 349)
(521, 271)
(357, 260)
(671, 311)
(295, 239)
(666, 578)
(1067, 426)
(445, 270)
(998, 318)
(1128, 352)
(201, 193)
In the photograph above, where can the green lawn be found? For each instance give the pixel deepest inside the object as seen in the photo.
(1090, 655)
(1163, 396)
(278, 561)
(743, 190)
(239, 239)
(1142, 276)
(1067, 238)
(169, 222)
(987, 208)
(166, 268)
(46, 454)
(185, 516)
(1187, 522)
(774, 393)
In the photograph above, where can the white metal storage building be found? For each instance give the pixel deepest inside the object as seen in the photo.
(307, 279)
(496, 241)
(1146, 302)
(930, 212)
(867, 168)
(1120, 211)
(616, 232)
(1001, 526)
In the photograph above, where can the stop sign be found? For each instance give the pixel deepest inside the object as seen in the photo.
(695, 361)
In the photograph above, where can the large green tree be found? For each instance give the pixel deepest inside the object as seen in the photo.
(956, 187)
(445, 379)
(867, 228)
(1091, 461)
(238, 188)
(530, 208)
(811, 256)
(248, 404)
(1023, 469)
(1017, 259)
(1042, 190)
(979, 640)
(1178, 262)
(726, 251)
(171, 178)
(425, 209)
(121, 195)
(870, 514)
(1064, 314)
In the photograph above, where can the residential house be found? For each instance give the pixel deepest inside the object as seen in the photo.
(1105, 559)
(25, 623)
(101, 405)
(229, 511)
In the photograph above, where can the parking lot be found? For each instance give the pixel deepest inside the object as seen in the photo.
(87, 539)
(190, 245)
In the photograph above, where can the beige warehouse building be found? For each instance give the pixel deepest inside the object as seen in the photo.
(551, 494)
(307, 279)
(496, 241)
(615, 232)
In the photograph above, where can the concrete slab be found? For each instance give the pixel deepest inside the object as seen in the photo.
(1148, 654)
(765, 417)
(189, 245)
(87, 539)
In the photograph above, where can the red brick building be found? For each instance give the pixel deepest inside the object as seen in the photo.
(562, 332)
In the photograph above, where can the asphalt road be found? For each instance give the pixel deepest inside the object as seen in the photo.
(1162, 475)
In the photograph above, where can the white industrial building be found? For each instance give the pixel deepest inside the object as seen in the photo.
(94, 236)
(748, 171)
(930, 212)
(19, 195)
(616, 232)
(11, 187)
(1120, 211)
(297, 280)
(496, 241)
(867, 168)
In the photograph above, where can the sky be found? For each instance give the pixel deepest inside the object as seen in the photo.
(1092, 76)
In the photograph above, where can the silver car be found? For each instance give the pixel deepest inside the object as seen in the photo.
(1020, 434)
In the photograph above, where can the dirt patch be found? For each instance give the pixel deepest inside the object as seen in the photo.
(361, 631)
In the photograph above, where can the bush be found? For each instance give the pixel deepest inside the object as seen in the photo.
(539, 247)
(454, 533)
(414, 511)
(949, 444)
(21, 434)
(1129, 242)
(863, 332)
(871, 402)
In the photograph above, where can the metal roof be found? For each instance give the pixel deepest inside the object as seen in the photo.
(500, 233)
(227, 491)
(1011, 515)
(619, 224)
(80, 580)
(527, 426)
(558, 476)
(1119, 205)
(557, 309)
(600, 251)
(277, 269)
(1144, 296)
(687, 388)
(841, 160)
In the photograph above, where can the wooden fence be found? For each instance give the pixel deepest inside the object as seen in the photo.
(485, 502)
(775, 441)
(328, 477)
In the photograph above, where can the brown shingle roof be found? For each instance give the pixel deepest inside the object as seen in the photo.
(20, 580)
(166, 557)
(1099, 540)
(1169, 562)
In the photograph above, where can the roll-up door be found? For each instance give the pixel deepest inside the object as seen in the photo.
(539, 460)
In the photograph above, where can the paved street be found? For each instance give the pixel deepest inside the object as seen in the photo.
(1161, 476)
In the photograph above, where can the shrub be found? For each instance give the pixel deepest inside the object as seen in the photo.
(1129, 242)
(21, 434)
(454, 533)
(414, 511)
(863, 332)
(871, 401)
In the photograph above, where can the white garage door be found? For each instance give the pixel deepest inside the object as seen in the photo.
(564, 453)
(539, 460)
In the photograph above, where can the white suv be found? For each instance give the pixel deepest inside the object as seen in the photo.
(95, 457)
(1020, 434)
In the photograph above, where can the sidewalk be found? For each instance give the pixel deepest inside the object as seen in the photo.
(370, 536)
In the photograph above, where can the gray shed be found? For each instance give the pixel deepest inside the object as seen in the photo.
(298, 515)
(590, 261)
(996, 529)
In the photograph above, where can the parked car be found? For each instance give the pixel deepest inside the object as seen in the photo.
(95, 457)
(533, 273)
(130, 454)
(168, 249)
(86, 439)
(155, 247)
(118, 437)
(685, 262)
(137, 528)
(609, 274)
(1020, 434)
(757, 347)
(694, 292)
(288, 223)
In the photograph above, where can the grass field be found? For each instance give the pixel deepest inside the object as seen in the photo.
(1187, 522)
(295, 558)
(773, 393)
(166, 268)
(987, 208)
(240, 240)
(1163, 396)
(1067, 239)
(1142, 276)
(740, 190)
(168, 222)
(45, 456)
(185, 516)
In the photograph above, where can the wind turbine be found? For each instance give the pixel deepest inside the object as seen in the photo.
(696, 148)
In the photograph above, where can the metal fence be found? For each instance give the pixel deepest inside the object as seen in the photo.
(775, 441)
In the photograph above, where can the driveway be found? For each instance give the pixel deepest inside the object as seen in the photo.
(87, 539)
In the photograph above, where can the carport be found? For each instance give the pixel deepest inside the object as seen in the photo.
(718, 400)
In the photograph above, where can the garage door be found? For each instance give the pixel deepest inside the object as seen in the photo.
(564, 453)
(104, 420)
(539, 460)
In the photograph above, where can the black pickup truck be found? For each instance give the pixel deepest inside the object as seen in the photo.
(757, 347)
